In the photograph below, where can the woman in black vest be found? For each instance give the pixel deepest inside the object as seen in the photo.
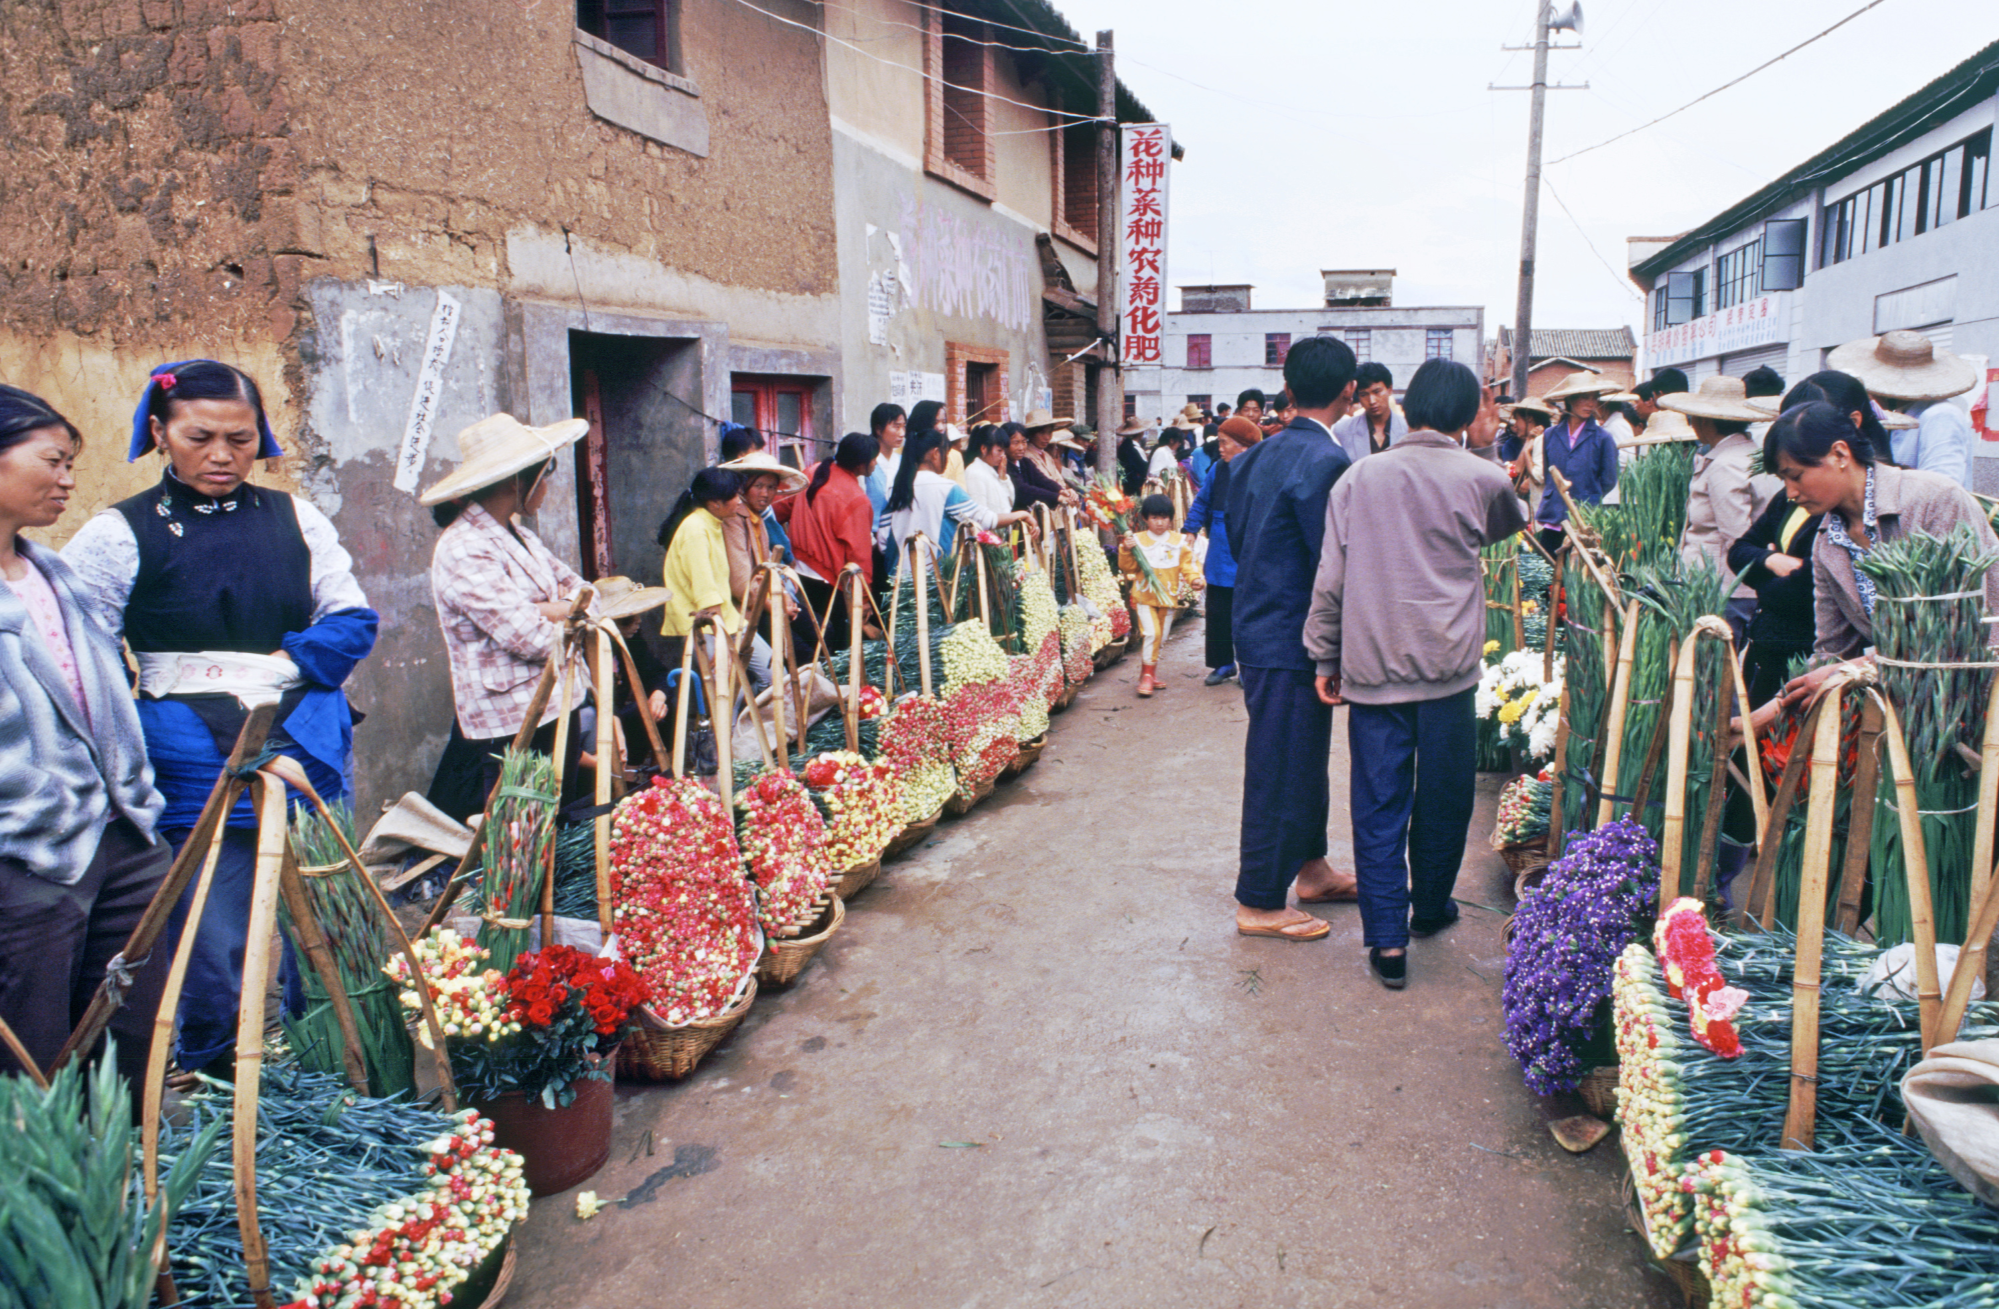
(230, 595)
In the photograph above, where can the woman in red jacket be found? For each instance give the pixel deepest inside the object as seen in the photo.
(831, 526)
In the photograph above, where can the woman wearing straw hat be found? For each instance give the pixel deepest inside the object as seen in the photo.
(1584, 452)
(1904, 370)
(755, 536)
(230, 595)
(1528, 465)
(80, 858)
(1826, 471)
(1724, 499)
(501, 598)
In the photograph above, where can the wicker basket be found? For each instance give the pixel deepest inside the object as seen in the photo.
(655, 1052)
(1683, 1268)
(1525, 858)
(1598, 1090)
(857, 879)
(1111, 653)
(502, 1281)
(1062, 702)
(1029, 752)
(913, 835)
(785, 957)
(962, 802)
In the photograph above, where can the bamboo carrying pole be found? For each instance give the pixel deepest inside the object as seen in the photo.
(270, 793)
(1970, 960)
(312, 943)
(600, 667)
(1988, 800)
(1761, 902)
(1915, 865)
(856, 588)
(1860, 822)
(1801, 1118)
(1620, 700)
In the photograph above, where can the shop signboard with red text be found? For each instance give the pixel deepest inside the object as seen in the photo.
(1765, 320)
(1148, 149)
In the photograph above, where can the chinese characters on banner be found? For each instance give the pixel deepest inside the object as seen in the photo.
(1148, 148)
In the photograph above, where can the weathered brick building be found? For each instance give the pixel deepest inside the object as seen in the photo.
(326, 191)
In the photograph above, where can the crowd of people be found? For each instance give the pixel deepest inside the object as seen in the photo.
(1353, 577)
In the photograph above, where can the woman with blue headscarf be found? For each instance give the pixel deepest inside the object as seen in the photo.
(230, 595)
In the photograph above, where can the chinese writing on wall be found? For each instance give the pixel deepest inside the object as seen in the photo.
(1148, 148)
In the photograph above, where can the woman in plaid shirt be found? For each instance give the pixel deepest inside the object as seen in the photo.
(501, 599)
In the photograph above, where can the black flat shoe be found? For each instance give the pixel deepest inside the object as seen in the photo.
(1393, 970)
(1432, 926)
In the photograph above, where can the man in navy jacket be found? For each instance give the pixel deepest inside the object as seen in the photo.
(1276, 513)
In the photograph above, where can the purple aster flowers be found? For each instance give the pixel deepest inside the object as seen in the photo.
(1567, 933)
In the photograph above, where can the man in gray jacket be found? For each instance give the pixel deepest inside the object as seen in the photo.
(1397, 628)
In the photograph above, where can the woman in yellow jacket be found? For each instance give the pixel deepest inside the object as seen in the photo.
(1168, 552)
(697, 566)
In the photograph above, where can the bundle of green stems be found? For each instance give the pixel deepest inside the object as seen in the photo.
(1673, 598)
(1930, 638)
(326, 1160)
(358, 937)
(1653, 490)
(1587, 678)
(74, 1227)
(520, 824)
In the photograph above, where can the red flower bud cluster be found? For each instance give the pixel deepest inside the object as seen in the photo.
(981, 721)
(915, 744)
(686, 915)
(861, 801)
(784, 841)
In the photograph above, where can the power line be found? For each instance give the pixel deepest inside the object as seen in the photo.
(1871, 4)
(990, 45)
(1629, 289)
(928, 77)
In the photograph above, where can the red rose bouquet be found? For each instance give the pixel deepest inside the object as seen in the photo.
(686, 915)
(564, 1010)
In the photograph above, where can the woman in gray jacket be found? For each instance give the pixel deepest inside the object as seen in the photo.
(79, 859)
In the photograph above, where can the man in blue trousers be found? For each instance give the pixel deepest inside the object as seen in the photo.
(1276, 513)
(1397, 627)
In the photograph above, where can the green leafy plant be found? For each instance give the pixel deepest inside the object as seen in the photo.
(75, 1230)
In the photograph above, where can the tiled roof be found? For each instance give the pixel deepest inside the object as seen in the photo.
(1589, 343)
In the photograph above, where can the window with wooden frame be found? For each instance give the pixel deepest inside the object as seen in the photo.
(1200, 350)
(1204, 403)
(781, 409)
(958, 63)
(1075, 201)
(644, 29)
(1436, 343)
(1276, 345)
(975, 384)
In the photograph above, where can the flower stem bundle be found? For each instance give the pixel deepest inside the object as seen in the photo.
(1586, 674)
(351, 921)
(520, 827)
(1523, 810)
(1677, 1099)
(1652, 491)
(73, 1228)
(357, 1198)
(1872, 1221)
(1930, 638)
(916, 743)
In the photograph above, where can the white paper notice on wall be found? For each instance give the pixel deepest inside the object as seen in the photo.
(878, 310)
(928, 386)
(429, 392)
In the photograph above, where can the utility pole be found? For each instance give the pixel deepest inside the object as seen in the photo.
(1110, 388)
(1530, 213)
(1545, 18)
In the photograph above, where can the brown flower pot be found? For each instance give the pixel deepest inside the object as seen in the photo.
(559, 1148)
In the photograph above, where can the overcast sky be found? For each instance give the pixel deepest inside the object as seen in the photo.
(1360, 134)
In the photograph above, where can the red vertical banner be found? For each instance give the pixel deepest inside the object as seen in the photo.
(1148, 149)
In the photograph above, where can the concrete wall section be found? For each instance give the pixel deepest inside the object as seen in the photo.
(361, 351)
(926, 264)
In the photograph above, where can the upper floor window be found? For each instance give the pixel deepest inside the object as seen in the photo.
(1275, 346)
(1204, 403)
(1437, 343)
(1925, 196)
(644, 29)
(1738, 275)
(1682, 299)
(959, 142)
(1076, 180)
(1200, 350)
(1361, 341)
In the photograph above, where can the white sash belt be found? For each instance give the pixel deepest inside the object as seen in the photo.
(252, 678)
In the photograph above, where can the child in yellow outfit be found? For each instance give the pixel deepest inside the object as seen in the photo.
(1169, 552)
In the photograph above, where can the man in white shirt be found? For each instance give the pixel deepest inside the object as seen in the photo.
(1377, 421)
